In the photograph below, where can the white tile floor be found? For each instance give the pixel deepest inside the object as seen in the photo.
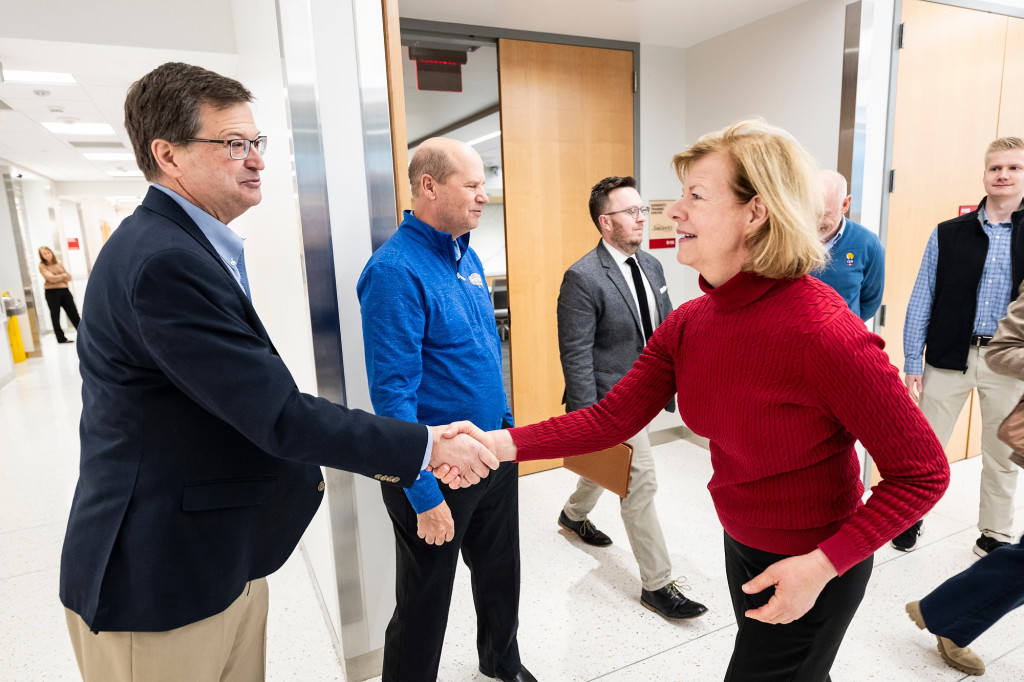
(580, 618)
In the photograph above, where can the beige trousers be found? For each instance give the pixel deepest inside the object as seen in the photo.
(942, 398)
(227, 647)
(638, 514)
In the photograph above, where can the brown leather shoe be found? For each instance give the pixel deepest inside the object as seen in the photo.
(961, 658)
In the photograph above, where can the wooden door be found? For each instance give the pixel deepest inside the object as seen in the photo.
(566, 122)
(1011, 103)
(947, 112)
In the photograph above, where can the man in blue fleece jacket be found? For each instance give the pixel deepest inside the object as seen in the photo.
(856, 268)
(432, 349)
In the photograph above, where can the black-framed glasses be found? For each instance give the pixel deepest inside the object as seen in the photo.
(633, 211)
(238, 149)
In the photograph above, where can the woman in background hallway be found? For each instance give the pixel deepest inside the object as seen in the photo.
(56, 291)
(775, 370)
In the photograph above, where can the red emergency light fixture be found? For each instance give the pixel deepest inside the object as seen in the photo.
(438, 70)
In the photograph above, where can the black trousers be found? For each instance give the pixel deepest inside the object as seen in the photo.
(57, 299)
(801, 651)
(486, 519)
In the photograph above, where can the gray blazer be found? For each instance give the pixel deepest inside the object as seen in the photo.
(599, 331)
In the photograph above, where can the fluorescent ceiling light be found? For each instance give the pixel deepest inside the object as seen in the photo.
(38, 77)
(78, 128)
(489, 136)
(109, 156)
(125, 173)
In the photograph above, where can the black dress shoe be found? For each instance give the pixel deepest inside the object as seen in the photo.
(586, 530)
(523, 675)
(670, 603)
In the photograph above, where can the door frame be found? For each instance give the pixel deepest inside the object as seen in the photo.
(491, 34)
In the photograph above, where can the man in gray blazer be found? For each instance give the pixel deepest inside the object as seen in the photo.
(603, 326)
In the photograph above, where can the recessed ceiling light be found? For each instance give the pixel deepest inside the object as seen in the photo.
(78, 128)
(125, 173)
(109, 156)
(38, 77)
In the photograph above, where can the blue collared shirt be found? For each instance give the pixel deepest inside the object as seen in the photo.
(832, 242)
(226, 243)
(993, 292)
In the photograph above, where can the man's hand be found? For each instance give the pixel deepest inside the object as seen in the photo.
(467, 459)
(798, 581)
(436, 525)
(499, 442)
(915, 383)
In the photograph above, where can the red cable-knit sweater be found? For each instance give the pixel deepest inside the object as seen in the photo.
(782, 378)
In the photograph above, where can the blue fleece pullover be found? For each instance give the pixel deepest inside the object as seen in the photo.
(433, 354)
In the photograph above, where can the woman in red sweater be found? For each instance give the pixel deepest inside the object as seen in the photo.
(774, 369)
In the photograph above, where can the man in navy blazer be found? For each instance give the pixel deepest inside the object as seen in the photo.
(200, 458)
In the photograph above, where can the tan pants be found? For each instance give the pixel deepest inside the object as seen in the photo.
(227, 647)
(942, 398)
(638, 514)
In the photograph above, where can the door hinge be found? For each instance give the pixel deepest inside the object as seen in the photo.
(881, 316)
(902, 36)
(635, 83)
(892, 181)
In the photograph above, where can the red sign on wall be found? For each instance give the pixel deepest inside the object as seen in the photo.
(964, 210)
(73, 243)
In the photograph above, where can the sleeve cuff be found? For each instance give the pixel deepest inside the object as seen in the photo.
(424, 494)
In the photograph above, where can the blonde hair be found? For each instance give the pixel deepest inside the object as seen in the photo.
(1004, 144)
(769, 163)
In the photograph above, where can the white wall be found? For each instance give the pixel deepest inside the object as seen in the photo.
(786, 68)
(663, 119)
(203, 25)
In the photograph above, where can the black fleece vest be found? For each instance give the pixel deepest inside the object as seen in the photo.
(963, 247)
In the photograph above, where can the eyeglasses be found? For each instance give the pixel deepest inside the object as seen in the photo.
(633, 211)
(238, 149)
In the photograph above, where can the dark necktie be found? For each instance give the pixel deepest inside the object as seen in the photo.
(641, 298)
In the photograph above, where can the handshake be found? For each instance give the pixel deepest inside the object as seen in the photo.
(462, 454)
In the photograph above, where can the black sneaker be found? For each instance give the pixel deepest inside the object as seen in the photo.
(985, 545)
(907, 540)
(586, 530)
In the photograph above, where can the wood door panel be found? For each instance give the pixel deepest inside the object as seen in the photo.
(1011, 105)
(566, 122)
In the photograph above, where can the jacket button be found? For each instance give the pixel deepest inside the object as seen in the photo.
(320, 486)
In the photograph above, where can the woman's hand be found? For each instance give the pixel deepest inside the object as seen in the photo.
(798, 581)
(499, 442)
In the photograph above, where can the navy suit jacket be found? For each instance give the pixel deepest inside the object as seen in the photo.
(200, 457)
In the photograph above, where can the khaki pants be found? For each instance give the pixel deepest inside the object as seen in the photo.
(227, 647)
(638, 514)
(943, 396)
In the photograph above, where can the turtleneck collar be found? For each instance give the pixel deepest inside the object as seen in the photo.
(743, 289)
